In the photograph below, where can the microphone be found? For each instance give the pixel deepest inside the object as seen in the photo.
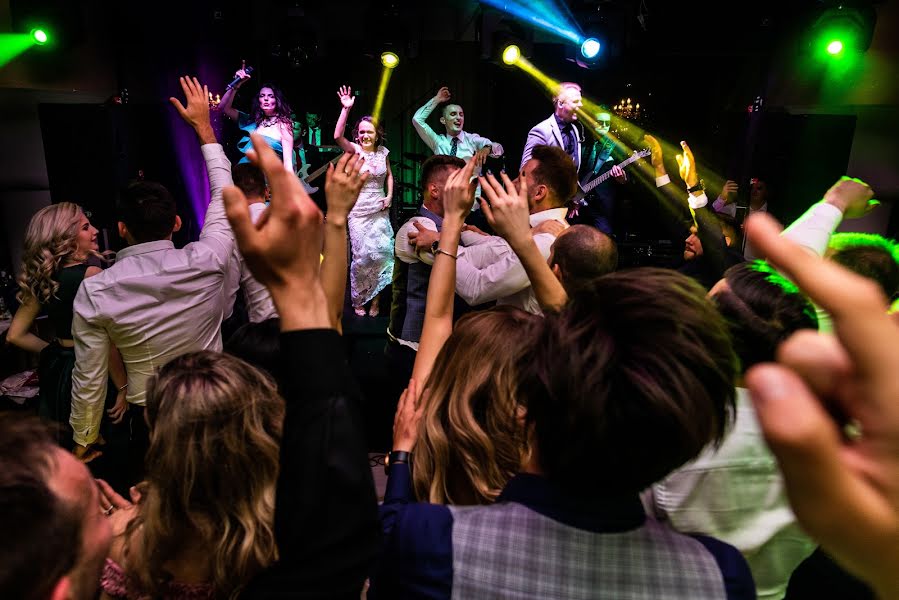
(233, 84)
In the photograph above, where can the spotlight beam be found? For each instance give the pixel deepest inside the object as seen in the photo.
(386, 72)
(12, 45)
(551, 16)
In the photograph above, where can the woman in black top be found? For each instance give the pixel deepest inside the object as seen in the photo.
(58, 242)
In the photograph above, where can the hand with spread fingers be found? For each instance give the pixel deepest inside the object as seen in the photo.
(196, 113)
(282, 248)
(342, 185)
(345, 94)
(830, 413)
(507, 209)
(458, 192)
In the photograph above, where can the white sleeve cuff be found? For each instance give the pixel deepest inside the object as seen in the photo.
(697, 201)
(663, 180)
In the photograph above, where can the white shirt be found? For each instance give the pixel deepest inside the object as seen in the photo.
(491, 270)
(441, 143)
(155, 303)
(736, 494)
(258, 300)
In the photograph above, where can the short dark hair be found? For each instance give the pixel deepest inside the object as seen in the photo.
(870, 255)
(258, 344)
(630, 381)
(555, 170)
(148, 211)
(436, 165)
(46, 530)
(762, 308)
(249, 179)
(582, 253)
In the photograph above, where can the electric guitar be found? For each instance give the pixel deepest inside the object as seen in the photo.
(583, 190)
(306, 177)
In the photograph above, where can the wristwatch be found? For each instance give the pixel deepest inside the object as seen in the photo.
(697, 187)
(435, 246)
(396, 457)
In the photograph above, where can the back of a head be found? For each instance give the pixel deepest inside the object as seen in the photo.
(762, 308)
(148, 211)
(471, 439)
(870, 255)
(43, 532)
(438, 166)
(582, 253)
(249, 179)
(556, 171)
(258, 344)
(630, 381)
(212, 467)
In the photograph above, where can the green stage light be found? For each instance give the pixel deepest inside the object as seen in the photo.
(835, 47)
(39, 36)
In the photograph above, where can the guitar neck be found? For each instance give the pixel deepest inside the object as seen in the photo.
(592, 185)
(320, 170)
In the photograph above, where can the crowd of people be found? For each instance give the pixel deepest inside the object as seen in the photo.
(566, 429)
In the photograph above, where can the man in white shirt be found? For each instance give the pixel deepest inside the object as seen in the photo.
(156, 302)
(491, 270)
(258, 301)
(455, 142)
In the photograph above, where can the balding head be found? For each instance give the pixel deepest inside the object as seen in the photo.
(582, 253)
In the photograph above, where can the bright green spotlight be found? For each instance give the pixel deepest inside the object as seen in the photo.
(835, 47)
(511, 54)
(390, 60)
(39, 36)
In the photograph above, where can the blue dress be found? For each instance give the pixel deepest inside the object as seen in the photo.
(247, 124)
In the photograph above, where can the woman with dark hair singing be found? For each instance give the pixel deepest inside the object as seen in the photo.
(269, 117)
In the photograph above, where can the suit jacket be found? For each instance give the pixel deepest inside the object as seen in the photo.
(547, 133)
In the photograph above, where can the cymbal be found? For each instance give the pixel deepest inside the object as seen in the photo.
(414, 156)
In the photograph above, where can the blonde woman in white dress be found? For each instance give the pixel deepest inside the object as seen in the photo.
(371, 235)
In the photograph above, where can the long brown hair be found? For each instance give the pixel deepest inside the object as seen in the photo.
(212, 467)
(472, 439)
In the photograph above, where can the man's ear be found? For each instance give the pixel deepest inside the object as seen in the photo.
(63, 588)
(177, 226)
(123, 230)
(557, 271)
(443, 120)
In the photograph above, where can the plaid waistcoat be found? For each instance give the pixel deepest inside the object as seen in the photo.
(510, 551)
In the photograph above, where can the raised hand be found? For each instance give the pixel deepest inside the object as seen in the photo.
(830, 413)
(458, 192)
(506, 210)
(407, 418)
(656, 154)
(342, 185)
(728, 191)
(443, 94)
(687, 166)
(196, 113)
(282, 249)
(852, 196)
(347, 99)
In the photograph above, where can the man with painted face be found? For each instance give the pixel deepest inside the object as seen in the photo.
(455, 142)
(559, 129)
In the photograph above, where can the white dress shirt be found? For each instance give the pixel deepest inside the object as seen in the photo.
(155, 303)
(258, 300)
(491, 270)
(441, 143)
(736, 494)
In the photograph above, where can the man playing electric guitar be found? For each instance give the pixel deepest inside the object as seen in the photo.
(599, 207)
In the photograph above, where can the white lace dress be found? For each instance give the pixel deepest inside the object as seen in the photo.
(371, 235)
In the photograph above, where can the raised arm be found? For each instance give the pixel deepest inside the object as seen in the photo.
(458, 195)
(342, 185)
(507, 213)
(216, 233)
(326, 523)
(228, 98)
(420, 118)
(287, 146)
(345, 93)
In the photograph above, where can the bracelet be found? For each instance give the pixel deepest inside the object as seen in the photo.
(123, 387)
(396, 457)
(442, 251)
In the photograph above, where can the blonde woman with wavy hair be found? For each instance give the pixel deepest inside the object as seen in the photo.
(204, 524)
(58, 242)
(471, 437)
